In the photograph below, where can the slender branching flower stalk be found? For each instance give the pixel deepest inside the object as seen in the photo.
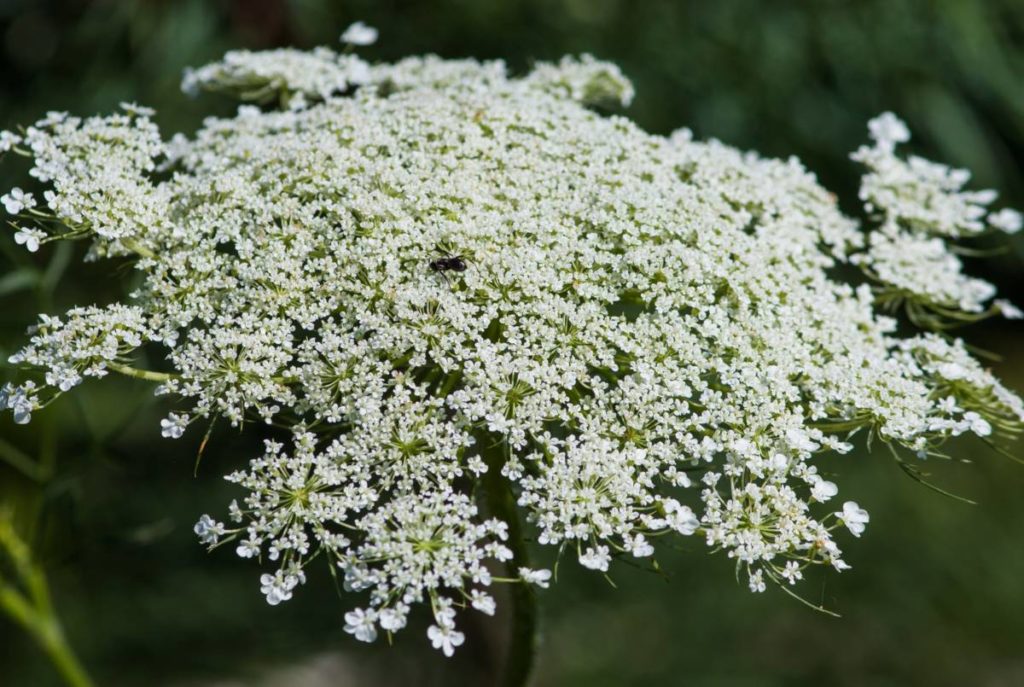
(472, 299)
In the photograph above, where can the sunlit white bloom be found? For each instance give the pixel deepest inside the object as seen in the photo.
(639, 546)
(30, 238)
(52, 119)
(16, 200)
(756, 581)
(285, 580)
(977, 424)
(445, 638)
(595, 558)
(854, 517)
(791, 572)
(681, 518)
(137, 110)
(822, 490)
(483, 602)
(20, 400)
(801, 441)
(361, 624)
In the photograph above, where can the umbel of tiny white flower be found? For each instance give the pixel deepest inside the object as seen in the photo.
(438, 277)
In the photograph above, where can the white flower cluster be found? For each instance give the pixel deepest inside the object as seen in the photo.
(298, 78)
(293, 76)
(921, 205)
(585, 79)
(98, 169)
(84, 344)
(438, 276)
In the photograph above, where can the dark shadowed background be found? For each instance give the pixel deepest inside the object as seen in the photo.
(936, 596)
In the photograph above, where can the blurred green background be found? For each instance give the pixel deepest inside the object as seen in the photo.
(936, 596)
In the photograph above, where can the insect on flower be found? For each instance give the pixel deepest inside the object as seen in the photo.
(448, 263)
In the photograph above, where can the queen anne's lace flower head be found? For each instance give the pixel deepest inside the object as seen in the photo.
(437, 275)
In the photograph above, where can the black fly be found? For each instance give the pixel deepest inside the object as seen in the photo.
(448, 263)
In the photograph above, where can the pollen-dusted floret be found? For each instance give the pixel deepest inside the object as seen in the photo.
(644, 337)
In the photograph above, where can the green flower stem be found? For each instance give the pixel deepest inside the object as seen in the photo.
(32, 608)
(134, 247)
(523, 636)
(148, 375)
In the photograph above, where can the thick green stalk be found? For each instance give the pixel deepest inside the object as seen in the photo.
(51, 636)
(30, 606)
(523, 634)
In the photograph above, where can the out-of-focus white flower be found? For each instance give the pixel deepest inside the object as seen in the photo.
(888, 130)
(1008, 309)
(359, 33)
(756, 581)
(541, 578)
(8, 140)
(639, 546)
(1006, 220)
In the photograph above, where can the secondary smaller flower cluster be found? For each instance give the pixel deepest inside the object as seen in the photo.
(972, 398)
(84, 343)
(294, 77)
(922, 206)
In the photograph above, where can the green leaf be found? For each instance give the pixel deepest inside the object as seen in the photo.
(19, 280)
